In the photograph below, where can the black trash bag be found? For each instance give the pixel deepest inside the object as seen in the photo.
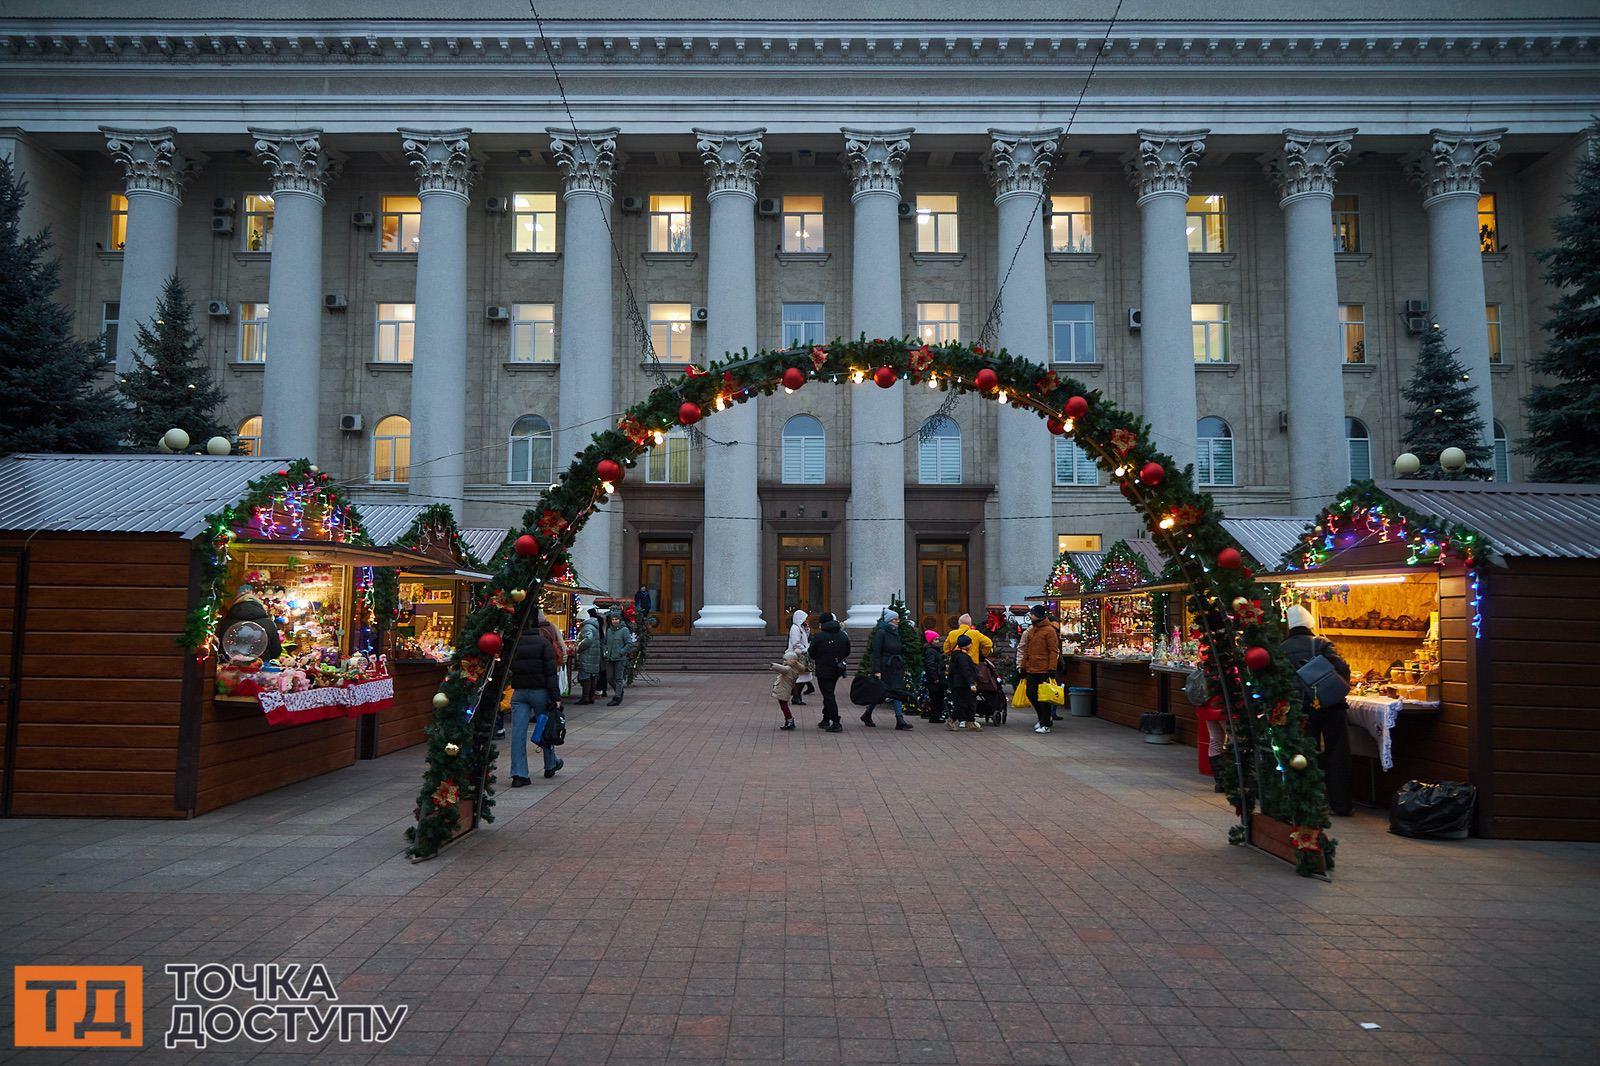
(1158, 722)
(1441, 811)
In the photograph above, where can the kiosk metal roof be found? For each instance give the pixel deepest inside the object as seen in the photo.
(1519, 519)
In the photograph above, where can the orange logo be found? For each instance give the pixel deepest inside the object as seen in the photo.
(79, 1006)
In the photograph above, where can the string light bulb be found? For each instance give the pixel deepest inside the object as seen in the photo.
(658, 436)
(609, 487)
(1168, 522)
(1002, 398)
(933, 381)
(721, 404)
(857, 377)
(1119, 471)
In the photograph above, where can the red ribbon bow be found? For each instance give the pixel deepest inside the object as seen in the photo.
(819, 356)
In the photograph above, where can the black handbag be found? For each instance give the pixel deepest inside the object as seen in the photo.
(866, 690)
(555, 730)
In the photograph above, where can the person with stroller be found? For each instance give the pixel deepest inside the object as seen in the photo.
(1041, 654)
(933, 675)
(963, 687)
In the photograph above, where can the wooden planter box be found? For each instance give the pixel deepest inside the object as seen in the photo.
(1272, 836)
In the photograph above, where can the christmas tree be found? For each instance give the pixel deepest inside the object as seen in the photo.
(1561, 439)
(47, 377)
(170, 385)
(1442, 413)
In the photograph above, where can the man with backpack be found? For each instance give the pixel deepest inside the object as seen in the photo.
(1328, 718)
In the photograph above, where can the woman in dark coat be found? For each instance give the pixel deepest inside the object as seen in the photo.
(536, 694)
(933, 673)
(963, 686)
(887, 656)
(1329, 722)
(830, 652)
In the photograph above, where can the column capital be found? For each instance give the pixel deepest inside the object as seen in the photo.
(1164, 160)
(151, 160)
(1020, 161)
(1454, 162)
(1309, 162)
(732, 159)
(874, 159)
(296, 160)
(588, 159)
(441, 159)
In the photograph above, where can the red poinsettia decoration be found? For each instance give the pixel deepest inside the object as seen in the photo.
(1248, 613)
(448, 794)
(1304, 838)
(819, 356)
(921, 358)
(551, 523)
(501, 601)
(978, 349)
(562, 574)
(1123, 441)
(472, 668)
(631, 428)
(1049, 383)
(1187, 515)
(1279, 713)
(994, 621)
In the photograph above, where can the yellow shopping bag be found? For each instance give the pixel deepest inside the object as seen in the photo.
(1050, 692)
(1019, 698)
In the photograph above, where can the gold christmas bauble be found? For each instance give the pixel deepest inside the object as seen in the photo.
(452, 749)
(440, 701)
(1239, 604)
(1299, 762)
(518, 595)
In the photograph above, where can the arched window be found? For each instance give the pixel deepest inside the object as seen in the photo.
(531, 456)
(391, 450)
(939, 453)
(668, 462)
(249, 436)
(1214, 453)
(805, 448)
(1502, 453)
(1360, 443)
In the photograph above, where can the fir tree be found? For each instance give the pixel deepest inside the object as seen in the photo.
(48, 398)
(170, 386)
(1561, 415)
(1442, 412)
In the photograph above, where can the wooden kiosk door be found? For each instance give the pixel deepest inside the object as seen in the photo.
(941, 585)
(802, 585)
(664, 568)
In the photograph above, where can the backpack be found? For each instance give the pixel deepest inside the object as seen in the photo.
(1197, 686)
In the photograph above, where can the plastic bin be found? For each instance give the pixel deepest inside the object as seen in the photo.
(1080, 700)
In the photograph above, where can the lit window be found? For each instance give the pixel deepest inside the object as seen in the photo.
(667, 463)
(1072, 333)
(938, 323)
(1210, 324)
(802, 326)
(531, 459)
(1491, 314)
(669, 332)
(1073, 465)
(669, 224)
(1078, 542)
(1488, 224)
(248, 440)
(396, 333)
(118, 233)
(936, 223)
(1214, 454)
(1353, 325)
(805, 447)
(1360, 441)
(391, 450)
(1502, 453)
(400, 224)
(252, 333)
(802, 224)
(1207, 225)
(1347, 223)
(109, 314)
(1071, 224)
(533, 333)
(533, 222)
(939, 452)
(258, 208)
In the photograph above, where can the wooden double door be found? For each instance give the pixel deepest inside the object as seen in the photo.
(667, 570)
(941, 584)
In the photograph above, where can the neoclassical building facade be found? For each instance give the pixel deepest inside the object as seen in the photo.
(429, 269)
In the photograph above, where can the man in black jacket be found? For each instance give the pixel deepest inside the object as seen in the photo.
(830, 652)
(1329, 722)
(536, 695)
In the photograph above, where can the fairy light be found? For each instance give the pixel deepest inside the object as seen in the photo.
(857, 377)
(1002, 398)
(1168, 522)
(933, 381)
(609, 487)
(658, 436)
(722, 404)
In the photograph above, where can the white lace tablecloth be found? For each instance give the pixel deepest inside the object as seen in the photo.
(1377, 715)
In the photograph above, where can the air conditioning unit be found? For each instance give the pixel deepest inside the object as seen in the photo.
(701, 314)
(217, 309)
(497, 205)
(350, 423)
(362, 220)
(769, 206)
(1283, 421)
(496, 313)
(631, 205)
(223, 205)
(908, 210)
(1135, 319)
(222, 225)
(335, 302)
(1416, 307)
(1416, 325)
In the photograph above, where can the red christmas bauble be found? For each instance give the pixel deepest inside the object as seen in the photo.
(688, 413)
(885, 377)
(1152, 473)
(986, 380)
(1055, 426)
(1077, 407)
(1257, 658)
(490, 644)
(1230, 559)
(526, 545)
(609, 470)
(1248, 574)
(794, 378)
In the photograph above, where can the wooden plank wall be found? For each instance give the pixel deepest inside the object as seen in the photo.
(402, 726)
(1124, 693)
(1542, 632)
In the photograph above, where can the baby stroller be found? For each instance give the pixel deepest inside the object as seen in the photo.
(991, 694)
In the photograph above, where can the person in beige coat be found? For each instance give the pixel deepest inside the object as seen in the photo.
(794, 665)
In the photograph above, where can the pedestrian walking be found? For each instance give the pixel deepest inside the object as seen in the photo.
(794, 664)
(830, 660)
(1041, 653)
(536, 694)
(980, 647)
(591, 656)
(800, 641)
(934, 662)
(619, 641)
(642, 603)
(886, 656)
(963, 684)
(1328, 721)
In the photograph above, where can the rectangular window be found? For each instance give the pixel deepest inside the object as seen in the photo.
(400, 224)
(936, 223)
(802, 224)
(1071, 224)
(1208, 223)
(939, 461)
(1073, 465)
(533, 333)
(1214, 461)
(802, 326)
(1353, 326)
(252, 333)
(669, 223)
(669, 332)
(1488, 224)
(533, 222)
(1072, 333)
(667, 463)
(938, 323)
(1360, 459)
(1210, 323)
(1347, 223)
(396, 333)
(1078, 542)
(804, 460)
(109, 313)
(117, 233)
(258, 208)
(1502, 459)
(1491, 314)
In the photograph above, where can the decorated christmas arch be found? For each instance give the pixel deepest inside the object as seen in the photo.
(1273, 764)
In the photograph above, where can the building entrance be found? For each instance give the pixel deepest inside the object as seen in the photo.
(803, 576)
(665, 568)
(941, 583)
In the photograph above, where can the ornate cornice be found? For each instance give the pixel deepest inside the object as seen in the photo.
(296, 160)
(150, 160)
(732, 159)
(587, 159)
(441, 160)
(1309, 162)
(874, 159)
(1164, 160)
(1454, 162)
(1020, 161)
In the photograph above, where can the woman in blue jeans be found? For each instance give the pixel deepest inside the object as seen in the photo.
(536, 694)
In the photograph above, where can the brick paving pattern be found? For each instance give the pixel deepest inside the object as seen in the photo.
(697, 886)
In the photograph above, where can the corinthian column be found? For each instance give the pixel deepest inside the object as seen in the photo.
(291, 388)
(1304, 172)
(877, 511)
(1450, 174)
(439, 362)
(1159, 170)
(588, 162)
(1019, 168)
(154, 172)
(733, 507)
